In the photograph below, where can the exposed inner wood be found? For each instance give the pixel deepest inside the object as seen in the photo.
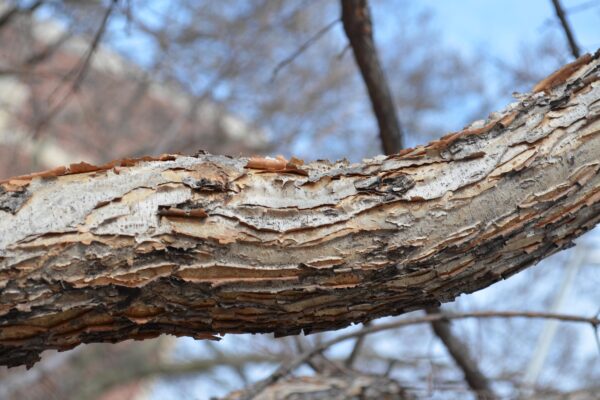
(208, 245)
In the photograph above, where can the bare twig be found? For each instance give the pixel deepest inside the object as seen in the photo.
(582, 7)
(358, 27)
(145, 370)
(79, 71)
(289, 59)
(357, 347)
(460, 353)
(14, 10)
(287, 368)
(596, 333)
(560, 13)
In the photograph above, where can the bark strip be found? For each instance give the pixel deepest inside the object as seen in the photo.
(203, 246)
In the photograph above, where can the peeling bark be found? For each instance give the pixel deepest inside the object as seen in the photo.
(208, 245)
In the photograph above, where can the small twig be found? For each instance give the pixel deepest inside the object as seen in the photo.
(461, 355)
(596, 334)
(80, 71)
(94, 45)
(320, 33)
(287, 368)
(14, 10)
(560, 13)
(356, 349)
(582, 7)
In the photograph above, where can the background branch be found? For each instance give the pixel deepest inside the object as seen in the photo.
(562, 17)
(359, 30)
(287, 368)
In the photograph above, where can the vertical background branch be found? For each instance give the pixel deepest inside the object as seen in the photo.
(359, 29)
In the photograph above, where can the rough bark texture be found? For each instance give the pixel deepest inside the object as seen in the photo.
(208, 245)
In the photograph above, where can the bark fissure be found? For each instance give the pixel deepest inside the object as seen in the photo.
(208, 245)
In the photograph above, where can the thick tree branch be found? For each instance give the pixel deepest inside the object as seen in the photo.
(359, 29)
(208, 245)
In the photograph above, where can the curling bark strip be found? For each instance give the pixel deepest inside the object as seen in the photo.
(207, 245)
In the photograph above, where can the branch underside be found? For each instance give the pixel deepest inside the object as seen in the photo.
(207, 245)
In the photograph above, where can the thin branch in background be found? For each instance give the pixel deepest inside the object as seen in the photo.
(138, 371)
(300, 349)
(47, 51)
(79, 71)
(460, 353)
(596, 334)
(560, 13)
(319, 363)
(237, 368)
(357, 347)
(287, 368)
(358, 27)
(359, 30)
(8, 15)
(582, 7)
(288, 60)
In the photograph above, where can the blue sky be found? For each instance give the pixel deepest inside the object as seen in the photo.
(502, 26)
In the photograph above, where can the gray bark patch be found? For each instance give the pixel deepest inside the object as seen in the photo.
(13, 201)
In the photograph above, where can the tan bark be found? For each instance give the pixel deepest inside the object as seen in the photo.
(348, 386)
(208, 245)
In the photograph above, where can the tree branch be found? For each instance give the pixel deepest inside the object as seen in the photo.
(13, 11)
(289, 59)
(359, 29)
(461, 355)
(208, 245)
(79, 73)
(287, 368)
(562, 17)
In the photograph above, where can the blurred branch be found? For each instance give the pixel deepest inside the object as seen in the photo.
(582, 7)
(47, 51)
(357, 347)
(460, 353)
(15, 10)
(287, 368)
(359, 29)
(319, 34)
(79, 71)
(560, 13)
(144, 370)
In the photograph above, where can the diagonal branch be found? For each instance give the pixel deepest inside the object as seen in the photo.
(79, 73)
(461, 355)
(309, 42)
(287, 368)
(15, 10)
(562, 17)
(359, 29)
